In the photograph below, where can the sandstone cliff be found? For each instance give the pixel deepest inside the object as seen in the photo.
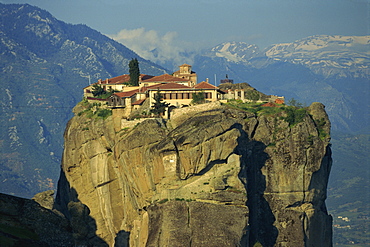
(213, 175)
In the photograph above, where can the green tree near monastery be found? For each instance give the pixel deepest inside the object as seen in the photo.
(198, 98)
(97, 90)
(134, 72)
(159, 107)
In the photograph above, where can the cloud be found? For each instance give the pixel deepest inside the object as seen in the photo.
(162, 49)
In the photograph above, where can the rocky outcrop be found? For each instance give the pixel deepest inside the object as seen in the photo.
(211, 176)
(45, 199)
(23, 222)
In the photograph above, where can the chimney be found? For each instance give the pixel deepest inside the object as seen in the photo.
(106, 81)
(207, 80)
(99, 81)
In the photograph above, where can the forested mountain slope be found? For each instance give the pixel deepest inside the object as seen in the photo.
(44, 65)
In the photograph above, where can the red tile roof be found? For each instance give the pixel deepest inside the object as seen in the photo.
(205, 85)
(127, 94)
(138, 102)
(143, 89)
(162, 86)
(144, 78)
(270, 104)
(172, 85)
(124, 78)
(118, 80)
(165, 78)
(279, 101)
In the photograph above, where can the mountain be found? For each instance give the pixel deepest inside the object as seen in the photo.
(44, 65)
(330, 56)
(333, 70)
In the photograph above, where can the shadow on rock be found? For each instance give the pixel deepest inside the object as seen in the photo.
(261, 219)
(82, 224)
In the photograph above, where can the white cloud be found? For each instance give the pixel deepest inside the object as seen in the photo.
(162, 49)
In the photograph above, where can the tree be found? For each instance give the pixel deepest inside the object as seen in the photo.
(97, 90)
(294, 115)
(134, 72)
(198, 98)
(253, 95)
(295, 103)
(158, 107)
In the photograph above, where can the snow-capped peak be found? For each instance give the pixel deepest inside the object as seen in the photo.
(235, 51)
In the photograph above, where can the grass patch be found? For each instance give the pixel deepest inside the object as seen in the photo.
(255, 108)
(103, 113)
(94, 110)
(294, 115)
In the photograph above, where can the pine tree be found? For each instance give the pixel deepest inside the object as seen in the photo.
(97, 90)
(159, 107)
(134, 72)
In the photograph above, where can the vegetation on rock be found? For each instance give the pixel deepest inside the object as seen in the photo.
(94, 110)
(99, 92)
(198, 98)
(294, 115)
(134, 72)
(158, 107)
(290, 114)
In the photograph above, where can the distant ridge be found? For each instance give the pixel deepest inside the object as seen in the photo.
(44, 65)
(334, 70)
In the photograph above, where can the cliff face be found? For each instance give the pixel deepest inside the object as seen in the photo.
(210, 176)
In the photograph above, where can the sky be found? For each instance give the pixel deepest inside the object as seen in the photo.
(172, 26)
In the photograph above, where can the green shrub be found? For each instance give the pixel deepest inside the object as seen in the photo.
(198, 98)
(270, 110)
(293, 102)
(294, 115)
(103, 113)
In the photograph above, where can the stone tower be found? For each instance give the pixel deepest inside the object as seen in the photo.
(186, 73)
